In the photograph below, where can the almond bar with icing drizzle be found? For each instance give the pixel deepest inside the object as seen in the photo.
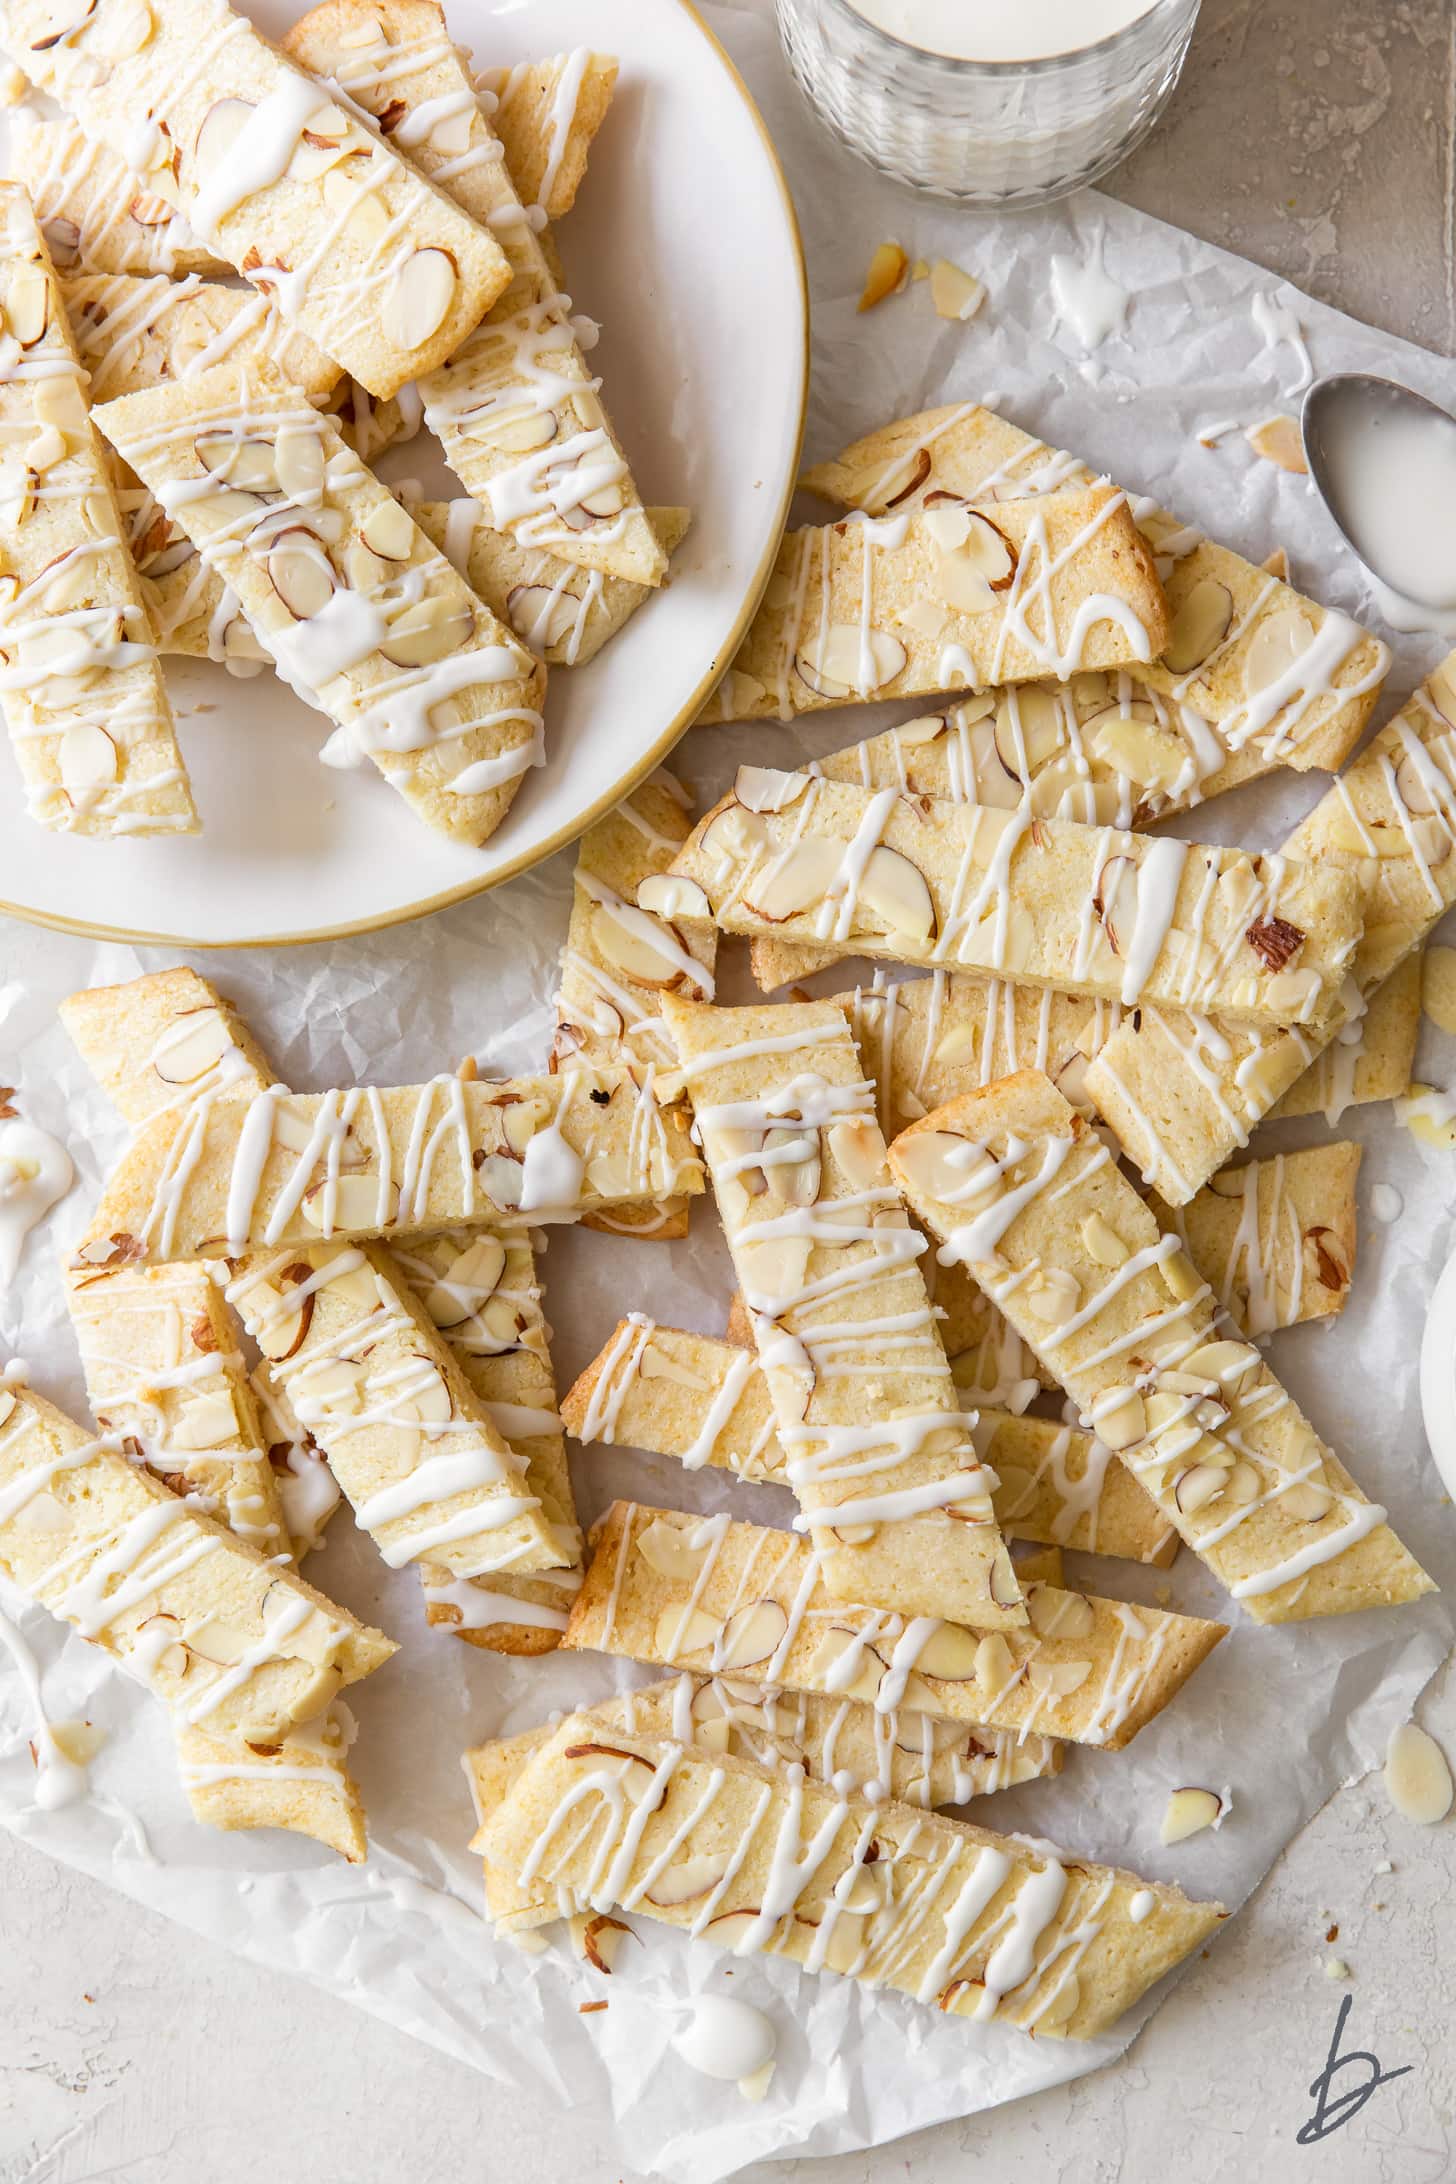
(842, 1742)
(879, 1449)
(1100, 749)
(515, 407)
(980, 1925)
(1086, 910)
(1266, 669)
(164, 1373)
(1184, 1092)
(623, 951)
(133, 334)
(361, 614)
(82, 689)
(97, 215)
(380, 1362)
(232, 1174)
(901, 606)
(1023, 1191)
(1274, 1239)
(230, 1640)
(546, 114)
(381, 269)
(677, 1590)
(565, 613)
(706, 1402)
(1373, 1058)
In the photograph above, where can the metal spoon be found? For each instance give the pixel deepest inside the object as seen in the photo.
(1346, 392)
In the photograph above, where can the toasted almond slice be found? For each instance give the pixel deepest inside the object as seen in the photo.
(1279, 440)
(1189, 1812)
(669, 1550)
(419, 297)
(220, 128)
(1200, 625)
(688, 1878)
(471, 1277)
(1103, 1242)
(1278, 642)
(897, 892)
(681, 1632)
(886, 276)
(389, 531)
(955, 293)
(1055, 1613)
(664, 895)
(845, 660)
(207, 1421)
(950, 1654)
(1417, 1776)
(752, 1633)
(88, 758)
(429, 630)
(355, 1201)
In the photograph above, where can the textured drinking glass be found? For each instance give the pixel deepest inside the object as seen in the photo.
(995, 133)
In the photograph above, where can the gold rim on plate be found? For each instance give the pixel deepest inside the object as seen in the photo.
(641, 766)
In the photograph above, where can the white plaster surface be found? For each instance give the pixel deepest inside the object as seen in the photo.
(1316, 137)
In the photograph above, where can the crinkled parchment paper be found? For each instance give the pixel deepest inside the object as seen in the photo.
(1281, 1716)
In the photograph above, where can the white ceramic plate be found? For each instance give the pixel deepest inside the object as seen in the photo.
(683, 244)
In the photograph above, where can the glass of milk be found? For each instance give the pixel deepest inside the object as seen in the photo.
(991, 102)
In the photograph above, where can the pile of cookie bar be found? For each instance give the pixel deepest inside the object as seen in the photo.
(231, 276)
(998, 1288)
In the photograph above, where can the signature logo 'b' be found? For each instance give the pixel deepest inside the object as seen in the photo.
(1331, 2109)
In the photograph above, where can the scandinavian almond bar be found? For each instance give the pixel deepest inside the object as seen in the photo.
(704, 1401)
(82, 688)
(1184, 1093)
(565, 613)
(1023, 1191)
(910, 1757)
(96, 214)
(429, 1475)
(946, 599)
(381, 269)
(1086, 910)
(721, 1599)
(546, 114)
(1268, 670)
(1369, 1060)
(978, 1924)
(1274, 1239)
(233, 1174)
(133, 334)
(483, 1295)
(1100, 749)
(878, 1448)
(228, 1639)
(515, 407)
(623, 951)
(359, 611)
(300, 1782)
(164, 1373)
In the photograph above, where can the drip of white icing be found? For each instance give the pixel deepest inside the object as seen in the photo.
(35, 1172)
(59, 1779)
(726, 2038)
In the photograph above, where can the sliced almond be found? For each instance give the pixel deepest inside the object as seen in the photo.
(1279, 440)
(1053, 1296)
(665, 895)
(954, 293)
(845, 661)
(1223, 1364)
(1198, 1485)
(1280, 640)
(898, 894)
(1121, 1421)
(298, 460)
(220, 128)
(888, 269)
(542, 614)
(89, 759)
(389, 531)
(1057, 1679)
(1417, 1776)
(300, 572)
(418, 298)
(1189, 1812)
(681, 1631)
(633, 947)
(600, 1938)
(238, 461)
(688, 1878)
(858, 1149)
(1114, 899)
(949, 1654)
(752, 1633)
(196, 1046)
(207, 1421)
(826, 1668)
(355, 1201)
(1136, 745)
(669, 1550)
(470, 1278)
(429, 630)
(1306, 1501)
(795, 880)
(28, 305)
(1102, 1242)
(1055, 1613)
(1200, 624)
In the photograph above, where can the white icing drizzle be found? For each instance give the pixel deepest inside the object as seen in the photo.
(35, 1173)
